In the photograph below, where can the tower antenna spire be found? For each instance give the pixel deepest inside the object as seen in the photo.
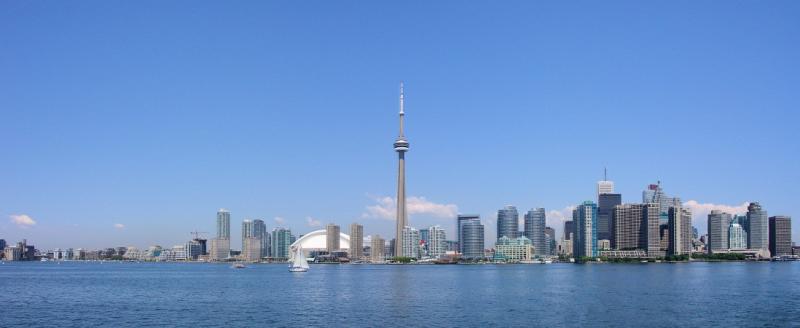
(605, 174)
(402, 105)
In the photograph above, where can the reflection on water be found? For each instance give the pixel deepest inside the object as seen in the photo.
(139, 294)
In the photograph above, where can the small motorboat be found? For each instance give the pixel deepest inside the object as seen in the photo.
(238, 266)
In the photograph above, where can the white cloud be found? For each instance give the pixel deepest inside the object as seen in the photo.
(311, 222)
(700, 212)
(280, 221)
(22, 220)
(386, 208)
(119, 226)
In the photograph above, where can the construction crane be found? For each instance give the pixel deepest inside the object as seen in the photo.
(196, 234)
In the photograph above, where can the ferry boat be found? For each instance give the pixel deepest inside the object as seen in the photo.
(300, 264)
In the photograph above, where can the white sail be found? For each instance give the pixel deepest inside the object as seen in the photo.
(300, 260)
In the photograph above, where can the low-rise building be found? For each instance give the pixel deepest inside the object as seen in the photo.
(517, 249)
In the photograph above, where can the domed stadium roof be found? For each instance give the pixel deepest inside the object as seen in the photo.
(318, 240)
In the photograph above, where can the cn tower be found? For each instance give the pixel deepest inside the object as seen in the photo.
(401, 147)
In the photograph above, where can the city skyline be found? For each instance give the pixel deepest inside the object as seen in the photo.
(105, 148)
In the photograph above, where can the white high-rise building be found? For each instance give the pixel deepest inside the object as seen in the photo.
(437, 243)
(737, 237)
(604, 186)
(410, 246)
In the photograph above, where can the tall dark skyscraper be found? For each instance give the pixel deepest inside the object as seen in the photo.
(780, 235)
(534, 229)
(507, 222)
(605, 213)
(569, 230)
(758, 227)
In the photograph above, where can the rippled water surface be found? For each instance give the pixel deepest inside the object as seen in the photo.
(77, 294)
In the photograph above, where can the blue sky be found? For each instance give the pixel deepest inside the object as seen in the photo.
(132, 123)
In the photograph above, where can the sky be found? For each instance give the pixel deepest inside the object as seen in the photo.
(132, 123)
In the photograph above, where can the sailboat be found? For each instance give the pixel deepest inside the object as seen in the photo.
(300, 264)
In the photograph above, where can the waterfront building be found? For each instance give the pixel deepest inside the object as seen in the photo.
(219, 249)
(176, 253)
(437, 242)
(680, 229)
(605, 213)
(223, 224)
(410, 246)
(569, 229)
(12, 253)
(194, 249)
(2, 244)
(260, 232)
(636, 226)
(507, 222)
(718, 234)
(401, 146)
(603, 244)
(332, 240)
(517, 249)
(356, 241)
(655, 194)
(80, 254)
(460, 221)
(251, 250)
(758, 227)
(585, 217)
(281, 243)
(550, 233)
(780, 235)
(534, 230)
(737, 237)
(472, 238)
(248, 230)
(566, 247)
(377, 247)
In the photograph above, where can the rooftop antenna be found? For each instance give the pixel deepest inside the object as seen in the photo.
(605, 174)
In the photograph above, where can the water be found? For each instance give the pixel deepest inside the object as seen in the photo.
(190, 294)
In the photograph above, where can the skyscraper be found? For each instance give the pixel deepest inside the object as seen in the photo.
(437, 242)
(281, 242)
(737, 237)
(247, 231)
(401, 147)
(507, 222)
(585, 217)
(636, 227)
(223, 224)
(718, 224)
(655, 194)
(550, 233)
(251, 249)
(534, 230)
(377, 245)
(569, 230)
(471, 239)
(460, 221)
(758, 227)
(410, 246)
(260, 232)
(356, 241)
(605, 213)
(332, 233)
(604, 186)
(680, 229)
(780, 235)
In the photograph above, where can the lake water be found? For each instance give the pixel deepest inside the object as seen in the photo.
(84, 294)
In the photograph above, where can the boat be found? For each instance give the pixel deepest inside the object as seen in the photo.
(238, 266)
(299, 264)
